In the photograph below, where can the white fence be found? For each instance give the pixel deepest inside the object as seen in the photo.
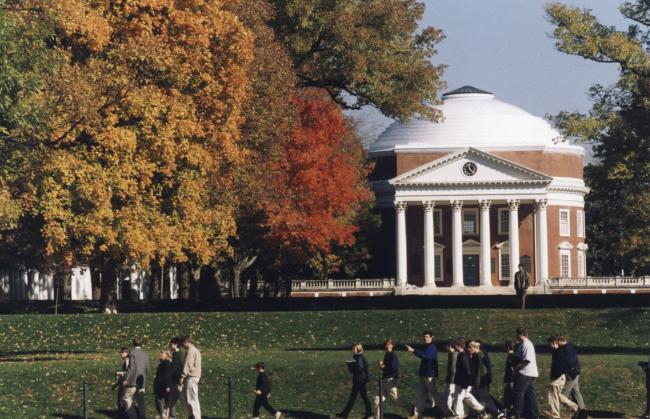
(343, 284)
(600, 282)
(33, 285)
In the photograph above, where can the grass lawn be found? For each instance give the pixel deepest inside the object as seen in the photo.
(44, 359)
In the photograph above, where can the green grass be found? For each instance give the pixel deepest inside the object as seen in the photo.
(44, 358)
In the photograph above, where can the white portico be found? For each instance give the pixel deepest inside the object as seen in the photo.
(466, 200)
(466, 178)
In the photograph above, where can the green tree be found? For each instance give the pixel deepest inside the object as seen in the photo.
(369, 49)
(618, 125)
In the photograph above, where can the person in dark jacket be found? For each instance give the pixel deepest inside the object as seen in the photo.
(452, 357)
(572, 384)
(462, 378)
(481, 379)
(176, 373)
(262, 393)
(509, 375)
(559, 367)
(389, 374)
(358, 366)
(162, 384)
(428, 372)
(522, 282)
(119, 377)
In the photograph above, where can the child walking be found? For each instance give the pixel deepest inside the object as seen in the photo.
(262, 393)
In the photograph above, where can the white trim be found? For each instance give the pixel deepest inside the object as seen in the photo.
(439, 252)
(582, 264)
(567, 211)
(583, 247)
(503, 249)
(580, 223)
(391, 150)
(500, 223)
(567, 253)
(565, 246)
(437, 222)
(476, 225)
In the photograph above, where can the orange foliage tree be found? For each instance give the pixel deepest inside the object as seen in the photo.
(134, 165)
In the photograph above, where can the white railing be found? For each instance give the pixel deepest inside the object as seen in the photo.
(343, 284)
(599, 282)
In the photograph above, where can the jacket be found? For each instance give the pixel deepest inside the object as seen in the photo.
(509, 371)
(463, 373)
(522, 281)
(359, 369)
(452, 357)
(178, 363)
(263, 383)
(559, 364)
(391, 365)
(136, 373)
(573, 363)
(428, 361)
(480, 370)
(163, 379)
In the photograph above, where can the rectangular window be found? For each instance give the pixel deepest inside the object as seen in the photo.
(437, 222)
(504, 221)
(505, 266)
(580, 223)
(582, 264)
(565, 228)
(565, 263)
(470, 221)
(437, 274)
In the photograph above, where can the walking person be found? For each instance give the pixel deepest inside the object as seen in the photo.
(135, 380)
(559, 367)
(452, 358)
(509, 375)
(263, 392)
(389, 375)
(119, 378)
(190, 379)
(526, 403)
(358, 366)
(646, 369)
(462, 379)
(176, 374)
(162, 385)
(427, 393)
(522, 282)
(572, 384)
(479, 399)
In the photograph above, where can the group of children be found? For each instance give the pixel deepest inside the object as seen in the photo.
(468, 380)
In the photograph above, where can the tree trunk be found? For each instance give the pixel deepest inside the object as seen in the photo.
(108, 297)
(240, 264)
(154, 281)
(96, 280)
(215, 291)
(63, 281)
(183, 272)
(195, 273)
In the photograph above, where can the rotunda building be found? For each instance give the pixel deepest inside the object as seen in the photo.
(466, 200)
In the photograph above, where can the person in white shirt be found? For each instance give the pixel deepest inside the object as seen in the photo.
(526, 403)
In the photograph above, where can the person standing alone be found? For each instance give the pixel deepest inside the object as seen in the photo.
(262, 393)
(522, 282)
(190, 379)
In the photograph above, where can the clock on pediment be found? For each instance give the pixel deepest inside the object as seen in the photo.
(469, 169)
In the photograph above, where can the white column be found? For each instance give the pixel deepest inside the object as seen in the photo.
(400, 278)
(513, 237)
(542, 240)
(486, 269)
(457, 242)
(429, 247)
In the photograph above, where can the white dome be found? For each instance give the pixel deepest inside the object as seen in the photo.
(472, 118)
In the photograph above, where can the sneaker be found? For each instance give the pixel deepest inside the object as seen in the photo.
(278, 415)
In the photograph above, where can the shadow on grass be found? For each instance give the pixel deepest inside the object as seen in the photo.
(65, 416)
(24, 356)
(495, 350)
(303, 414)
(603, 414)
(109, 413)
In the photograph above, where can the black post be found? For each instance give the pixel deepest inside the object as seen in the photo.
(381, 402)
(229, 397)
(85, 390)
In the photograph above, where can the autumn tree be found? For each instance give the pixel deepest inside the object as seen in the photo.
(618, 125)
(133, 165)
(369, 50)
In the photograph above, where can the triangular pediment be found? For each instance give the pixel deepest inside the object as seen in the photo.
(470, 166)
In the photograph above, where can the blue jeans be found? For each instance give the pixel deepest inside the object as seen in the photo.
(526, 403)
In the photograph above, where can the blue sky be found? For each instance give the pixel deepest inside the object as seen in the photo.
(505, 47)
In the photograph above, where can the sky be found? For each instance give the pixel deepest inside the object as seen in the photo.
(505, 47)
